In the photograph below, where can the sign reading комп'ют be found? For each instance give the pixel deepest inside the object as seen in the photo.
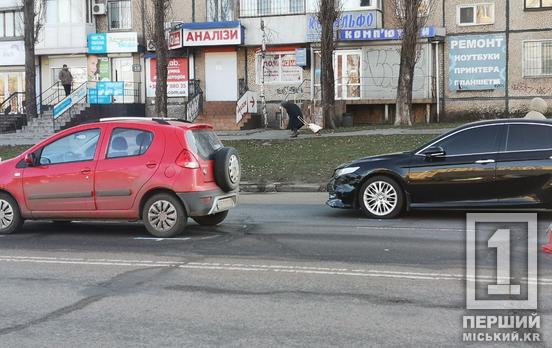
(477, 62)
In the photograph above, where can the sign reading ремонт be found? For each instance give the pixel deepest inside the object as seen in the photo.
(477, 62)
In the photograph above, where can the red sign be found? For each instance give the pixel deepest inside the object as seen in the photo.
(175, 39)
(177, 77)
(212, 37)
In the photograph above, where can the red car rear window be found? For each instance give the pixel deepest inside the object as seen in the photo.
(203, 143)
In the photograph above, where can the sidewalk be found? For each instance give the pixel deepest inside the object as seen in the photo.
(274, 134)
(259, 134)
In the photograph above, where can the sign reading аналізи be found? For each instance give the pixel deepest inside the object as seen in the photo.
(477, 62)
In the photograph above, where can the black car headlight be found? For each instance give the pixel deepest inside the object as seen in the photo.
(345, 171)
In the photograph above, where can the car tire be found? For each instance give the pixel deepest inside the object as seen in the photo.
(211, 220)
(164, 216)
(227, 169)
(381, 198)
(10, 216)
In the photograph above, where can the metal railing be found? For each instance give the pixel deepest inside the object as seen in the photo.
(261, 8)
(14, 104)
(194, 106)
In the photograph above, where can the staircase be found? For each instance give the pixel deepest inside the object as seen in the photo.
(222, 116)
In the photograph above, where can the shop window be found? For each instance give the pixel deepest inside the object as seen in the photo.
(477, 14)
(537, 58)
(538, 4)
(347, 66)
(220, 10)
(119, 15)
(279, 68)
(11, 24)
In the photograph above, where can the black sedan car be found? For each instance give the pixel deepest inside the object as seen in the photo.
(499, 164)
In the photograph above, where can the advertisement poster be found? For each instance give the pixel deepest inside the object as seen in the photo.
(281, 67)
(99, 68)
(177, 77)
(477, 62)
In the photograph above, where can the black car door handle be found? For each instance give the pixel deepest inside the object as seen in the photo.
(488, 161)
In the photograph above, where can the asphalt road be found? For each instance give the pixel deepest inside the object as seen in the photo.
(283, 270)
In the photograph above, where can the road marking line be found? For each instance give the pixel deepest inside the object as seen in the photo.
(410, 228)
(160, 239)
(261, 268)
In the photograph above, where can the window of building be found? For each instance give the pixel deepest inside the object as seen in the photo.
(119, 15)
(537, 4)
(279, 68)
(65, 11)
(423, 10)
(476, 14)
(259, 8)
(537, 58)
(11, 24)
(347, 66)
(220, 10)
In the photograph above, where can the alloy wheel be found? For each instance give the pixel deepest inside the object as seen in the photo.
(6, 214)
(234, 169)
(380, 198)
(162, 215)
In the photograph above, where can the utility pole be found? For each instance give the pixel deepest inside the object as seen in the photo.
(263, 59)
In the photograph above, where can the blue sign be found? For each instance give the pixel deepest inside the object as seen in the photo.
(112, 89)
(301, 57)
(61, 107)
(97, 43)
(93, 97)
(477, 62)
(348, 20)
(382, 34)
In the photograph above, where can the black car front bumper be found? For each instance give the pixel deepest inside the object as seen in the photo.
(343, 192)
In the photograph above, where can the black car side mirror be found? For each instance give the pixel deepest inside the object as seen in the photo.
(435, 152)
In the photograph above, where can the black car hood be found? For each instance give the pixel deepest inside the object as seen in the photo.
(386, 157)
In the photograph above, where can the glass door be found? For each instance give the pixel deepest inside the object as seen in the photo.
(348, 75)
(122, 72)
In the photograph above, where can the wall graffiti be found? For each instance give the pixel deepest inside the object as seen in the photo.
(381, 67)
(532, 90)
(289, 90)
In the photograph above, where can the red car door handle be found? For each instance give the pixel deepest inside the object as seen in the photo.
(86, 171)
(151, 164)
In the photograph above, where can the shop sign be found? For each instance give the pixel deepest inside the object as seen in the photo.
(69, 101)
(382, 34)
(175, 39)
(301, 57)
(357, 20)
(12, 53)
(477, 62)
(206, 34)
(177, 77)
(102, 43)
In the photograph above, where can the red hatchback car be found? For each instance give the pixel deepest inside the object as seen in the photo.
(157, 170)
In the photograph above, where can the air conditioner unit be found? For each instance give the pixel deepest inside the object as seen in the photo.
(98, 9)
(150, 45)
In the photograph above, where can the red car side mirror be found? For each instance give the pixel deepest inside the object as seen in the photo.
(30, 159)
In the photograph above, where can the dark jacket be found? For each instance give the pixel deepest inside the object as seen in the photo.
(65, 77)
(294, 113)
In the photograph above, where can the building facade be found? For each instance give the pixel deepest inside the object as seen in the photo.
(498, 53)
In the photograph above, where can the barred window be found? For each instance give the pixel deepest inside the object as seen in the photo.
(538, 4)
(537, 58)
(119, 15)
(259, 8)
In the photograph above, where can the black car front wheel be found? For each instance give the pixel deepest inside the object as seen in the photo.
(381, 197)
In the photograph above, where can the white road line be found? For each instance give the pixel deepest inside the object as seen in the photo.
(161, 239)
(402, 228)
(240, 267)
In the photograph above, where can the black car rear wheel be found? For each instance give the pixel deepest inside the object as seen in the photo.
(381, 197)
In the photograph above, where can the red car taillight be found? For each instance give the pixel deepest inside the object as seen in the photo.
(187, 160)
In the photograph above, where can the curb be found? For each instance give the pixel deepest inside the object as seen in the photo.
(281, 187)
